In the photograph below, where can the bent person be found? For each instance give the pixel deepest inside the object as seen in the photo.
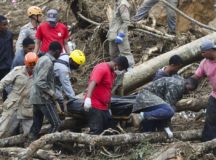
(16, 108)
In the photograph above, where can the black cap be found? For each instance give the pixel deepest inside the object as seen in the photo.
(2, 18)
(122, 61)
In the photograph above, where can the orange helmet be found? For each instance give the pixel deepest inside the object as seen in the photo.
(30, 59)
(34, 10)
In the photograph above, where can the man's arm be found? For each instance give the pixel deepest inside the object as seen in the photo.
(21, 37)
(195, 77)
(8, 79)
(90, 89)
(37, 46)
(64, 78)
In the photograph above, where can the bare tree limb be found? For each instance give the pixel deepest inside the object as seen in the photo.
(192, 104)
(187, 17)
(88, 20)
(154, 34)
(12, 141)
(97, 140)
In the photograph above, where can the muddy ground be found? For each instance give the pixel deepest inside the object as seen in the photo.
(90, 39)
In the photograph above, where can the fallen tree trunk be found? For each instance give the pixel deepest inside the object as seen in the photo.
(143, 73)
(14, 151)
(192, 104)
(98, 140)
(12, 141)
(190, 151)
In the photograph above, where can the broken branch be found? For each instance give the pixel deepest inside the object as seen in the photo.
(96, 140)
(187, 17)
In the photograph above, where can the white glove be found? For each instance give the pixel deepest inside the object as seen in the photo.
(87, 104)
(110, 112)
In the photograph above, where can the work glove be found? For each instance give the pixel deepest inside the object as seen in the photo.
(87, 104)
(119, 38)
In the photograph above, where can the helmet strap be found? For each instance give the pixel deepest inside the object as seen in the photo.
(36, 20)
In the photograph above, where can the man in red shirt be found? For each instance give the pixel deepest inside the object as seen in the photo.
(50, 31)
(99, 93)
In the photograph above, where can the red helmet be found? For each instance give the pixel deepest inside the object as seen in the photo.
(30, 59)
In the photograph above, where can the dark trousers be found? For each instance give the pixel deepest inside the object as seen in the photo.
(209, 130)
(157, 117)
(3, 73)
(39, 111)
(99, 120)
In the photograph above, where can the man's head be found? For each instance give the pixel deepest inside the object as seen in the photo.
(28, 45)
(175, 63)
(208, 49)
(35, 13)
(77, 58)
(3, 24)
(52, 17)
(190, 84)
(55, 49)
(30, 61)
(121, 63)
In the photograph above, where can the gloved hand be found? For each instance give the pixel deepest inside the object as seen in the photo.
(87, 104)
(119, 38)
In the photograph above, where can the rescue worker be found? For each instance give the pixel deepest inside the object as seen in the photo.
(42, 94)
(17, 111)
(50, 31)
(28, 46)
(29, 30)
(62, 68)
(145, 7)
(118, 32)
(207, 68)
(99, 94)
(156, 102)
(175, 63)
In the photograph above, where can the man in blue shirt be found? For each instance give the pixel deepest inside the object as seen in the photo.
(6, 49)
(62, 69)
(175, 63)
(28, 46)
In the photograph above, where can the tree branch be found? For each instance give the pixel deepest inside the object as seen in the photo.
(97, 140)
(187, 17)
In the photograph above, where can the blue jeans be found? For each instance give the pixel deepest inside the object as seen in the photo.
(157, 117)
(148, 4)
(209, 130)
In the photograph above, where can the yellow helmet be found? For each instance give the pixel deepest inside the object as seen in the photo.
(78, 57)
(34, 10)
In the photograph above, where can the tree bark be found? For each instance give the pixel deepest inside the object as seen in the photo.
(12, 141)
(192, 104)
(96, 140)
(143, 73)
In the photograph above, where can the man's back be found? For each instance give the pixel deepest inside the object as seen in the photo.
(162, 91)
(43, 80)
(169, 89)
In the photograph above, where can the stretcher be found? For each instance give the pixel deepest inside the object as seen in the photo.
(121, 107)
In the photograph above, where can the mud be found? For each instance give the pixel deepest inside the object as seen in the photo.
(90, 39)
